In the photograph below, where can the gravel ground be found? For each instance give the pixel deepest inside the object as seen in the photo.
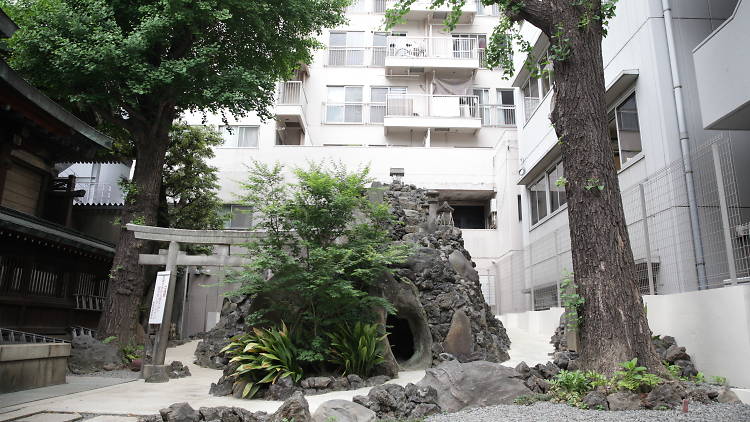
(120, 373)
(550, 412)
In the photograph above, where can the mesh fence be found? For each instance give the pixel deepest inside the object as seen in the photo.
(657, 213)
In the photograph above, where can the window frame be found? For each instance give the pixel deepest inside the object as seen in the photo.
(612, 108)
(344, 105)
(346, 48)
(540, 86)
(236, 135)
(383, 103)
(548, 192)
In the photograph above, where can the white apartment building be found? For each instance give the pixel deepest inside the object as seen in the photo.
(659, 117)
(416, 99)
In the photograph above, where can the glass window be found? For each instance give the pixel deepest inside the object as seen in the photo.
(557, 197)
(538, 199)
(240, 217)
(239, 136)
(624, 131)
(344, 104)
(346, 48)
(378, 96)
(505, 97)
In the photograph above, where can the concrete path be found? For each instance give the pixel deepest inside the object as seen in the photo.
(140, 398)
(74, 384)
(527, 347)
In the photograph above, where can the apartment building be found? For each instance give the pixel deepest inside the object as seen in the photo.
(676, 127)
(416, 101)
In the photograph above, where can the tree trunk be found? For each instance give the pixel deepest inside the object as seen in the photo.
(614, 327)
(127, 283)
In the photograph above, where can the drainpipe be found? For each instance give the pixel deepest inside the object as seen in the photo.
(700, 263)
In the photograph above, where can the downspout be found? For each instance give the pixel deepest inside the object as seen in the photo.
(700, 262)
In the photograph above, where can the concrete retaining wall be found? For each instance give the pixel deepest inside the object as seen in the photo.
(25, 366)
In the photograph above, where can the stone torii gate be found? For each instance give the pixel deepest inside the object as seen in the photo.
(221, 241)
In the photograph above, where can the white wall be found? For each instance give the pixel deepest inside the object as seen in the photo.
(714, 326)
(542, 323)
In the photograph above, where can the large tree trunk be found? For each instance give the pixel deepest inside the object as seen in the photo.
(614, 326)
(127, 283)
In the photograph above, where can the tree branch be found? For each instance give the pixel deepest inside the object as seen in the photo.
(539, 13)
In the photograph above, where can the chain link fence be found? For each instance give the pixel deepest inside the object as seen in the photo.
(657, 213)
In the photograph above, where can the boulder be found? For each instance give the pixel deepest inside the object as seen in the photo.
(282, 389)
(178, 370)
(459, 340)
(675, 353)
(596, 400)
(179, 412)
(664, 395)
(624, 400)
(343, 411)
(88, 354)
(295, 409)
(473, 384)
(394, 402)
(727, 396)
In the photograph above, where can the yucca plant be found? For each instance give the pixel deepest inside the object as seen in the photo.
(265, 355)
(357, 348)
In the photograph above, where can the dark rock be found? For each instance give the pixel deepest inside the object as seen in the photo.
(443, 357)
(343, 411)
(423, 410)
(340, 383)
(222, 388)
(727, 396)
(178, 370)
(88, 354)
(664, 395)
(459, 340)
(419, 394)
(561, 359)
(282, 389)
(294, 409)
(699, 395)
(355, 381)
(675, 353)
(596, 400)
(624, 400)
(473, 384)
(549, 370)
(377, 380)
(179, 412)
(687, 368)
(523, 370)
(317, 383)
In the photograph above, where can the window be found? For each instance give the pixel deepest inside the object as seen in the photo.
(493, 10)
(239, 217)
(545, 196)
(344, 104)
(239, 136)
(465, 45)
(624, 131)
(505, 111)
(378, 96)
(536, 88)
(346, 48)
(538, 199)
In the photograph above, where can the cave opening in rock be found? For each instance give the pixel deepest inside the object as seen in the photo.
(400, 337)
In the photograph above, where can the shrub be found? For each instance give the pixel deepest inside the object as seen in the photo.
(131, 352)
(717, 380)
(634, 377)
(529, 399)
(265, 355)
(571, 386)
(357, 348)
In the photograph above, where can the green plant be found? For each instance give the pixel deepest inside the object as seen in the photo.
(592, 183)
(357, 348)
(699, 377)
(571, 386)
(634, 377)
(109, 339)
(131, 352)
(561, 181)
(265, 355)
(571, 301)
(674, 370)
(529, 399)
(718, 380)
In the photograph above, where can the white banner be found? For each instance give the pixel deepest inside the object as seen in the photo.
(160, 297)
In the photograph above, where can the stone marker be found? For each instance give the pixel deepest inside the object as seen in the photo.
(458, 342)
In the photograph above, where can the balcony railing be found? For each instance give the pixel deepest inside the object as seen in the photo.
(423, 105)
(357, 56)
(98, 193)
(358, 113)
(380, 6)
(291, 93)
(497, 115)
(432, 47)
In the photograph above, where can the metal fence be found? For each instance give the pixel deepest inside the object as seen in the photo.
(657, 214)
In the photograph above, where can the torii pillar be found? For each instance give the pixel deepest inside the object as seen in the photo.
(221, 239)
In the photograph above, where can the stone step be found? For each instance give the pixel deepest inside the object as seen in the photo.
(51, 417)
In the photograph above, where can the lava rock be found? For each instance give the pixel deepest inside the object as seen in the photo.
(295, 409)
(596, 400)
(473, 384)
(675, 353)
(624, 400)
(343, 411)
(664, 395)
(458, 342)
(88, 354)
(178, 370)
(282, 389)
(179, 412)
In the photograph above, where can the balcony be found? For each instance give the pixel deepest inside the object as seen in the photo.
(497, 115)
(404, 54)
(721, 73)
(457, 113)
(356, 56)
(291, 103)
(421, 10)
(353, 113)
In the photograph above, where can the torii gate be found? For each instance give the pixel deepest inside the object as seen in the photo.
(220, 239)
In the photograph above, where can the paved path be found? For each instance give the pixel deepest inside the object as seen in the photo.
(527, 347)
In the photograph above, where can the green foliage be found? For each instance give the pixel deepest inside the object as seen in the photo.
(634, 377)
(717, 380)
(326, 246)
(571, 301)
(561, 181)
(700, 377)
(189, 184)
(131, 352)
(674, 370)
(571, 386)
(593, 183)
(265, 355)
(529, 399)
(109, 339)
(357, 348)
